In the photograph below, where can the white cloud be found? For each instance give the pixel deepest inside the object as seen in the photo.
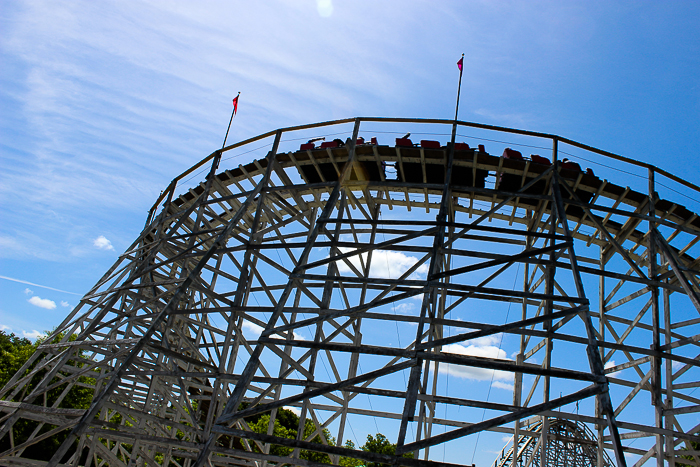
(32, 283)
(298, 337)
(255, 330)
(385, 264)
(502, 385)
(252, 328)
(33, 334)
(42, 302)
(488, 341)
(5, 328)
(611, 364)
(293, 409)
(102, 243)
(676, 366)
(65, 304)
(28, 291)
(405, 308)
(506, 439)
(324, 7)
(480, 347)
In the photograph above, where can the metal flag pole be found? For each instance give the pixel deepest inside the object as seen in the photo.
(460, 65)
(235, 107)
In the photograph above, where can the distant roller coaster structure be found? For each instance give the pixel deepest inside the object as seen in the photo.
(360, 284)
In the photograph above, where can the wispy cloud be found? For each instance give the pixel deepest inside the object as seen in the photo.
(4, 327)
(28, 291)
(65, 304)
(480, 347)
(32, 334)
(102, 243)
(35, 285)
(508, 119)
(254, 331)
(612, 364)
(502, 385)
(252, 328)
(324, 7)
(385, 264)
(42, 302)
(405, 308)
(298, 337)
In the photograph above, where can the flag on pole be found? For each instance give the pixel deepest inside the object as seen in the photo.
(235, 108)
(460, 65)
(235, 100)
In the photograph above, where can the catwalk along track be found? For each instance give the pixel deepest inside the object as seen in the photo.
(436, 293)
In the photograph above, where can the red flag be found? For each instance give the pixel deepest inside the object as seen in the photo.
(235, 103)
(459, 64)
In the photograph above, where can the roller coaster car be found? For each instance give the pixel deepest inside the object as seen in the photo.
(575, 176)
(326, 169)
(435, 165)
(540, 160)
(467, 176)
(365, 170)
(458, 147)
(428, 144)
(512, 182)
(412, 172)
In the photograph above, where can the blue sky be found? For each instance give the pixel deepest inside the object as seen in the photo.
(103, 103)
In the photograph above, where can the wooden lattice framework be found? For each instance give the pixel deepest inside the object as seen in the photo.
(289, 243)
(569, 443)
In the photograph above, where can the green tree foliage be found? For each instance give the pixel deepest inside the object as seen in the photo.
(696, 447)
(14, 353)
(381, 445)
(349, 461)
(286, 426)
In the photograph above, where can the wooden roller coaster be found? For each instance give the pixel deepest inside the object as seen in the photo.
(356, 283)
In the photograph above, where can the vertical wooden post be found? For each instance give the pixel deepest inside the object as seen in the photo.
(520, 357)
(600, 462)
(656, 333)
(670, 448)
(549, 290)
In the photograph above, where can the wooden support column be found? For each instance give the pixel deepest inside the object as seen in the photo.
(600, 428)
(429, 298)
(550, 270)
(655, 381)
(594, 358)
(520, 358)
(228, 343)
(332, 272)
(669, 418)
